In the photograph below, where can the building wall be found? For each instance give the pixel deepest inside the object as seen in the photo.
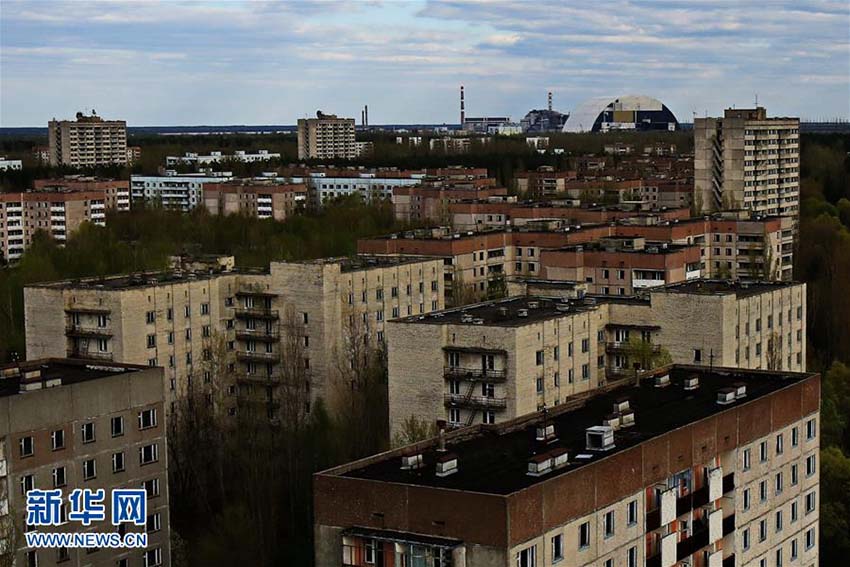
(38, 413)
(87, 143)
(326, 138)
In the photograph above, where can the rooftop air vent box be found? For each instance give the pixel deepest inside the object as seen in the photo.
(599, 438)
(725, 396)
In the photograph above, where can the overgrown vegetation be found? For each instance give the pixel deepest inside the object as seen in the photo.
(145, 238)
(823, 262)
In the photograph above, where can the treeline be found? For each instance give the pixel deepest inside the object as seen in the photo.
(145, 238)
(823, 262)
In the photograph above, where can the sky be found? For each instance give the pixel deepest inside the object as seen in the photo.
(169, 62)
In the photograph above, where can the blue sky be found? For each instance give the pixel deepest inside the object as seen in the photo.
(270, 62)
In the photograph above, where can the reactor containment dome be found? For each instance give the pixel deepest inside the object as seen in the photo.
(631, 112)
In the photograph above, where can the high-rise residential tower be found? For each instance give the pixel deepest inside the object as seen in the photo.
(326, 137)
(87, 142)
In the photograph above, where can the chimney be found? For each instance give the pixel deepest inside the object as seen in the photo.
(462, 112)
(550, 100)
(366, 114)
(441, 427)
(363, 118)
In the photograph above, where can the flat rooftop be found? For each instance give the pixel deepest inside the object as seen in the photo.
(66, 371)
(493, 459)
(142, 279)
(511, 312)
(367, 261)
(724, 287)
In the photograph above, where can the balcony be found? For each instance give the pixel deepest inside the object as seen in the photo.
(73, 330)
(253, 356)
(688, 502)
(623, 346)
(474, 374)
(89, 355)
(476, 402)
(256, 313)
(263, 335)
(260, 379)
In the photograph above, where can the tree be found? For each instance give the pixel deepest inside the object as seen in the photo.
(414, 430)
(645, 355)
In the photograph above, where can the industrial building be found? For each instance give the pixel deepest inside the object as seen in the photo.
(631, 112)
(692, 465)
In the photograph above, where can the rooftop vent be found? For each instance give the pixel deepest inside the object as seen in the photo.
(563, 308)
(522, 313)
(621, 405)
(545, 432)
(599, 438)
(478, 321)
(466, 318)
(412, 462)
(533, 304)
(503, 311)
(726, 396)
(740, 390)
(446, 465)
(692, 382)
(539, 465)
(611, 420)
(627, 418)
(560, 457)
(661, 381)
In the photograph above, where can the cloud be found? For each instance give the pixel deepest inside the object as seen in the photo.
(274, 60)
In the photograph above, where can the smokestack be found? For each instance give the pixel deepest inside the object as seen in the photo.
(362, 117)
(366, 113)
(550, 100)
(462, 113)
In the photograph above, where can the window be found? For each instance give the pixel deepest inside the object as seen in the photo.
(57, 439)
(187, 311)
(148, 454)
(794, 474)
(794, 550)
(779, 444)
(305, 318)
(763, 451)
(59, 479)
(811, 429)
(153, 557)
(147, 418)
(609, 562)
(609, 524)
(632, 557)
(794, 511)
(763, 491)
(585, 372)
(32, 558)
(811, 500)
(101, 321)
(27, 483)
(151, 341)
(117, 426)
(585, 345)
(527, 557)
(810, 465)
(795, 436)
(746, 499)
(584, 535)
(697, 355)
(762, 530)
(154, 523)
(488, 416)
(88, 432)
(118, 462)
(205, 308)
(556, 353)
(538, 358)
(27, 446)
(151, 487)
(747, 463)
(778, 483)
(150, 317)
(89, 469)
(454, 415)
(539, 385)
(778, 521)
(557, 548)
(779, 557)
(810, 538)
(745, 537)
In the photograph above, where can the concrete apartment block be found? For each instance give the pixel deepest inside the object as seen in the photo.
(71, 424)
(87, 142)
(747, 160)
(326, 137)
(661, 473)
(230, 324)
(493, 361)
